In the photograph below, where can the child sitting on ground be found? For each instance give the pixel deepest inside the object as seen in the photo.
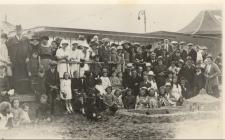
(142, 99)
(91, 107)
(163, 97)
(115, 81)
(152, 99)
(129, 100)
(110, 100)
(5, 116)
(43, 110)
(100, 87)
(16, 111)
(118, 93)
(24, 116)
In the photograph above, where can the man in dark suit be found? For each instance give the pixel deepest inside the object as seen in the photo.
(52, 84)
(193, 52)
(18, 48)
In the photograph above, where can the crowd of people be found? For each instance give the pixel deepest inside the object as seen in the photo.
(94, 75)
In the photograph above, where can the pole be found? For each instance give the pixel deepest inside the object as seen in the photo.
(145, 20)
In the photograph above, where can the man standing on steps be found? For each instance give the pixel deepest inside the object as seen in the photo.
(18, 48)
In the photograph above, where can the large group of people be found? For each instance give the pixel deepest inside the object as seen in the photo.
(93, 75)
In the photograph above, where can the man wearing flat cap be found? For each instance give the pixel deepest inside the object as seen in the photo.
(18, 48)
(192, 52)
(104, 50)
(52, 84)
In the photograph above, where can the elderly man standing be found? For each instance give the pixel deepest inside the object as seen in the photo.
(18, 48)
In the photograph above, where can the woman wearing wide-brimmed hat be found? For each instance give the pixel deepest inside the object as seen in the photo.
(63, 56)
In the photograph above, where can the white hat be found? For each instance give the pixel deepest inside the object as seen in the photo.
(190, 44)
(124, 42)
(167, 84)
(74, 42)
(136, 44)
(129, 65)
(105, 40)
(119, 48)
(151, 73)
(148, 64)
(144, 88)
(174, 42)
(113, 48)
(180, 60)
(64, 42)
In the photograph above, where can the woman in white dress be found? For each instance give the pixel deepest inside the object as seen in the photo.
(75, 57)
(4, 56)
(66, 92)
(85, 57)
(63, 56)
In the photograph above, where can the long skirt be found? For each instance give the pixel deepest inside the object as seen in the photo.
(62, 68)
(74, 68)
(46, 63)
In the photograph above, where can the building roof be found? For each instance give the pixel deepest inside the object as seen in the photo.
(208, 22)
(72, 32)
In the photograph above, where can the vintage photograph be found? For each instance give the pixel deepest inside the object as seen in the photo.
(111, 71)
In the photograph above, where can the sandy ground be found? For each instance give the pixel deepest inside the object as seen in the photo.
(77, 126)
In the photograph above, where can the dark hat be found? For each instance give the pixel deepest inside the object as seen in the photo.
(58, 40)
(44, 38)
(18, 27)
(34, 37)
(209, 56)
(149, 46)
(53, 63)
(4, 35)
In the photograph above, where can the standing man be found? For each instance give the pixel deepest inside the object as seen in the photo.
(18, 48)
(168, 47)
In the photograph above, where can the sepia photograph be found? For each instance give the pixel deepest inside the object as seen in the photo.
(111, 71)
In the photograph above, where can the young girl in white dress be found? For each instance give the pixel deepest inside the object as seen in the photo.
(66, 92)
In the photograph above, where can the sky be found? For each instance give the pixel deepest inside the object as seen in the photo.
(168, 17)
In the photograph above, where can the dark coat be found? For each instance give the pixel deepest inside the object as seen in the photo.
(160, 79)
(188, 74)
(51, 79)
(193, 55)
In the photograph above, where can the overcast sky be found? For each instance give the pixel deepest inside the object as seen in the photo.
(104, 17)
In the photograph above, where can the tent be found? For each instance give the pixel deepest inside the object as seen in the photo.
(207, 23)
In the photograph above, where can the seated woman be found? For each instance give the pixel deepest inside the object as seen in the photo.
(142, 99)
(110, 100)
(115, 81)
(24, 115)
(176, 95)
(163, 97)
(129, 100)
(152, 99)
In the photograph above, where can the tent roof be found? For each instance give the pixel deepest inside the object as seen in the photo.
(208, 22)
